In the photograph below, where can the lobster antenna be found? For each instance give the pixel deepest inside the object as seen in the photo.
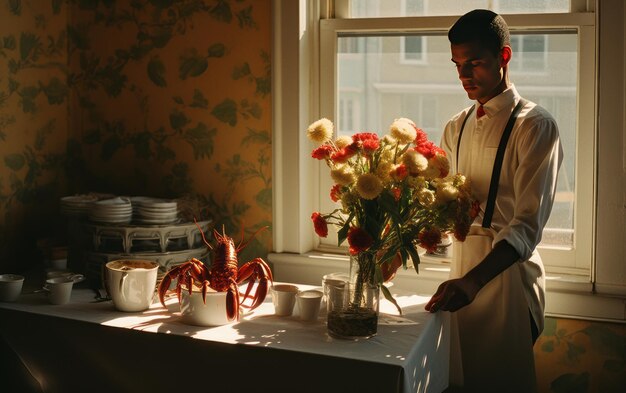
(242, 246)
(202, 234)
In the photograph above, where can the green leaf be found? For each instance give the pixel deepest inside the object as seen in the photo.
(178, 120)
(264, 198)
(56, 91)
(222, 11)
(192, 64)
(15, 7)
(201, 139)
(240, 72)
(15, 161)
(571, 383)
(56, 6)
(198, 100)
(548, 346)
(28, 46)
(226, 112)
(178, 100)
(342, 234)
(390, 297)
(9, 42)
(216, 50)
(28, 95)
(156, 72)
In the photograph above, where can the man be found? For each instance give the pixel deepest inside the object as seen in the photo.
(496, 291)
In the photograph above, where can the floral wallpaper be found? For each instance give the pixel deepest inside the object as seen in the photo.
(171, 98)
(147, 97)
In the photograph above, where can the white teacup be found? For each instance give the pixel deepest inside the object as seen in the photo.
(10, 287)
(284, 298)
(59, 289)
(309, 303)
(131, 283)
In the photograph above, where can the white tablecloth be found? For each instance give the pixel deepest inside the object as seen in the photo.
(89, 345)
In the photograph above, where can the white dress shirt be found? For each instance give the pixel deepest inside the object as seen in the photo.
(527, 181)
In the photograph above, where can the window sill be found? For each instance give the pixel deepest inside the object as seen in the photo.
(567, 296)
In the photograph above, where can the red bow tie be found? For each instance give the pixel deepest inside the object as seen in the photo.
(480, 112)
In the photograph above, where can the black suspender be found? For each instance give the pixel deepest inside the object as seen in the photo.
(497, 165)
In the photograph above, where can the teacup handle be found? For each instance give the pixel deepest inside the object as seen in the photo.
(121, 283)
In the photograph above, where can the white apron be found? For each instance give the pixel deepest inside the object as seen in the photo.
(491, 344)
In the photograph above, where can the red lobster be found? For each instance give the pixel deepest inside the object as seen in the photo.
(224, 275)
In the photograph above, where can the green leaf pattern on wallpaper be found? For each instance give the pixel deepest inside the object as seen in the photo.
(111, 52)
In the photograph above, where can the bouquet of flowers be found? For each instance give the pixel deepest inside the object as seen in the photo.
(395, 194)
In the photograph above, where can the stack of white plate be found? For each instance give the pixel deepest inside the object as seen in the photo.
(154, 211)
(77, 205)
(116, 210)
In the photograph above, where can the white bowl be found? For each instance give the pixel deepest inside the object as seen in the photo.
(10, 287)
(195, 312)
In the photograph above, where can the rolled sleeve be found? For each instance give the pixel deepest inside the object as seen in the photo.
(539, 155)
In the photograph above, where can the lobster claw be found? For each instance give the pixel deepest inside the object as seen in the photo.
(232, 301)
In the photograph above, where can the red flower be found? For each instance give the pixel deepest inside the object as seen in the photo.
(320, 225)
(335, 192)
(368, 140)
(359, 240)
(345, 153)
(429, 149)
(421, 137)
(322, 152)
(396, 193)
(400, 172)
(475, 209)
(429, 238)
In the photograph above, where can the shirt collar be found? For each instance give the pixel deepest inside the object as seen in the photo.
(506, 99)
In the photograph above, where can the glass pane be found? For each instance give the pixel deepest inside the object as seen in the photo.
(395, 8)
(375, 87)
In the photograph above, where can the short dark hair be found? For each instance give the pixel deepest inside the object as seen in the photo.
(483, 26)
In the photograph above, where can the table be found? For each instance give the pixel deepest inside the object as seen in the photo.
(89, 346)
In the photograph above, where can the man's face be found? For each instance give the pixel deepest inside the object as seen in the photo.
(480, 71)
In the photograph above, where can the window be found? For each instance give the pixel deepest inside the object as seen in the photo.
(583, 244)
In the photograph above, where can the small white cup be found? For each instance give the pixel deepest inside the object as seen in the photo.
(59, 289)
(309, 303)
(10, 287)
(284, 298)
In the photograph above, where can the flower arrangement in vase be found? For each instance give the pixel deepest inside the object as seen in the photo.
(395, 194)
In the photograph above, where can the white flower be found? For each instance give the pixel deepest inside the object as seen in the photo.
(320, 131)
(414, 162)
(343, 175)
(369, 186)
(446, 192)
(343, 141)
(403, 131)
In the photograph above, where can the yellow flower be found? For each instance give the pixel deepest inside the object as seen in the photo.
(446, 192)
(383, 171)
(320, 131)
(414, 162)
(426, 197)
(343, 141)
(417, 182)
(369, 186)
(343, 175)
(403, 131)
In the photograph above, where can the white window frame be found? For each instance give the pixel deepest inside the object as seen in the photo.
(296, 256)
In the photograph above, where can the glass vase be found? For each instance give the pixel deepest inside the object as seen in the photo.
(353, 306)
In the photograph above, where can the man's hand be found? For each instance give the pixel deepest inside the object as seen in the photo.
(453, 295)
(459, 292)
